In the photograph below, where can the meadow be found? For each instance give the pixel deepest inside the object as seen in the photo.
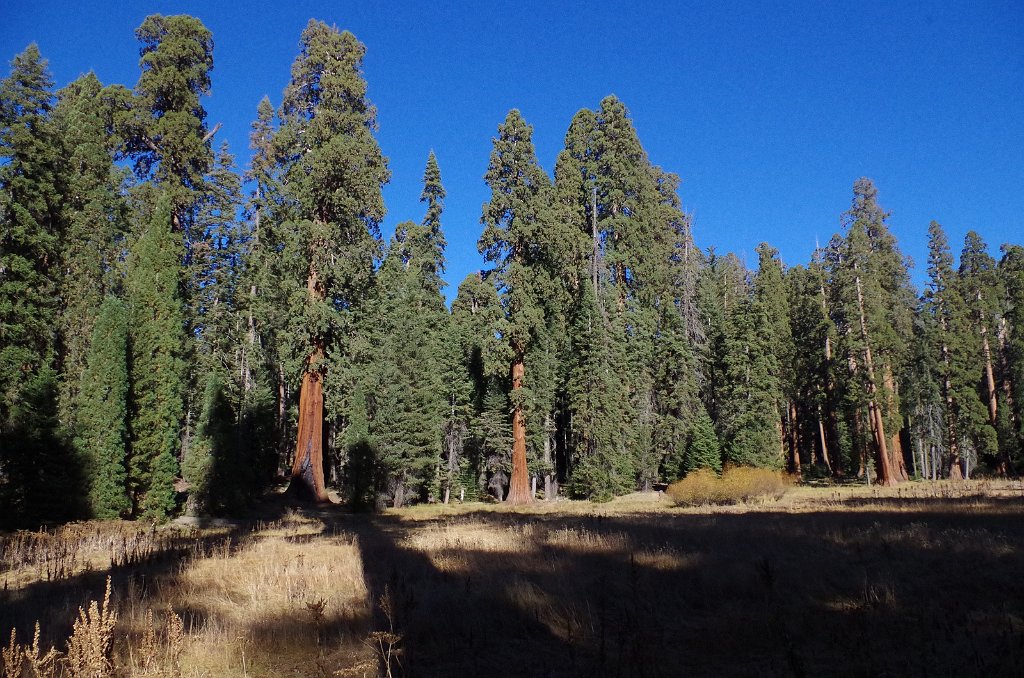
(919, 580)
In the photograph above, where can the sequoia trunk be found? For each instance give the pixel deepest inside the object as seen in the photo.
(519, 486)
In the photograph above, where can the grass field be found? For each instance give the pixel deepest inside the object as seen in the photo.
(921, 580)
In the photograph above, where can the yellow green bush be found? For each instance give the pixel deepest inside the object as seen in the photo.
(736, 485)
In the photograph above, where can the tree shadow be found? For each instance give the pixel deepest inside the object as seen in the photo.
(929, 590)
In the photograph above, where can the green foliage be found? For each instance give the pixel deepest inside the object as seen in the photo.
(479, 384)
(94, 220)
(756, 342)
(102, 413)
(38, 471)
(164, 128)
(157, 339)
(702, 448)
(28, 228)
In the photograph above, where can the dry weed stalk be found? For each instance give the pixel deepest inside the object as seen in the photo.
(12, 655)
(386, 643)
(41, 665)
(92, 640)
(18, 657)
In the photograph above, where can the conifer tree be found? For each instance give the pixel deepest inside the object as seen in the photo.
(33, 458)
(164, 123)
(102, 413)
(873, 311)
(1011, 337)
(702, 447)
(811, 366)
(751, 389)
(330, 171)
(94, 219)
(477, 322)
(771, 300)
(409, 396)
(266, 275)
(514, 220)
(157, 340)
(944, 305)
(28, 217)
(980, 287)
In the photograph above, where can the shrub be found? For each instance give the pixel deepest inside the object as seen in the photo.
(698, 488)
(737, 484)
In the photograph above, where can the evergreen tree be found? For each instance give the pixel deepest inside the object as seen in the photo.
(811, 367)
(979, 285)
(480, 387)
(157, 339)
(602, 465)
(266, 278)
(164, 124)
(409, 396)
(751, 389)
(702, 448)
(94, 219)
(944, 306)
(102, 413)
(1011, 273)
(514, 220)
(28, 207)
(872, 308)
(330, 172)
(34, 469)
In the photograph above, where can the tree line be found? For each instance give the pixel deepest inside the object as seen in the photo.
(176, 331)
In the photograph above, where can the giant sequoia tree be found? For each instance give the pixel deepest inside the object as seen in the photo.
(514, 219)
(331, 171)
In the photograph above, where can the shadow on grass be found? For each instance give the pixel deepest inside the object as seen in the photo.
(924, 590)
(930, 592)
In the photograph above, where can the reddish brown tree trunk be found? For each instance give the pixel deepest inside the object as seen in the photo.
(519, 486)
(897, 460)
(308, 468)
(823, 441)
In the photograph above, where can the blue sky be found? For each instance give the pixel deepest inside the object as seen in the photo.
(767, 110)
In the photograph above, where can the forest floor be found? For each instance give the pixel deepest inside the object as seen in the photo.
(926, 579)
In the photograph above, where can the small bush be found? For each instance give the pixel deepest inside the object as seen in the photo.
(738, 484)
(698, 488)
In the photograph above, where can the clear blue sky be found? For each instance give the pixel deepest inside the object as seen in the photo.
(767, 110)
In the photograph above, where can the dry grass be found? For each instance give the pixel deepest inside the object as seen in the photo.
(923, 579)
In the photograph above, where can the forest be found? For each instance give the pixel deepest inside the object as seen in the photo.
(179, 334)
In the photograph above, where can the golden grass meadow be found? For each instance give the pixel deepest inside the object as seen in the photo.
(920, 580)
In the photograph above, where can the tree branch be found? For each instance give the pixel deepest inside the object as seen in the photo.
(209, 135)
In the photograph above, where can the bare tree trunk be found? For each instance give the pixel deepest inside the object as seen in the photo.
(791, 439)
(519, 485)
(281, 421)
(548, 459)
(823, 440)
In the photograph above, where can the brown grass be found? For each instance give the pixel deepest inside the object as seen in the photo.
(923, 579)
